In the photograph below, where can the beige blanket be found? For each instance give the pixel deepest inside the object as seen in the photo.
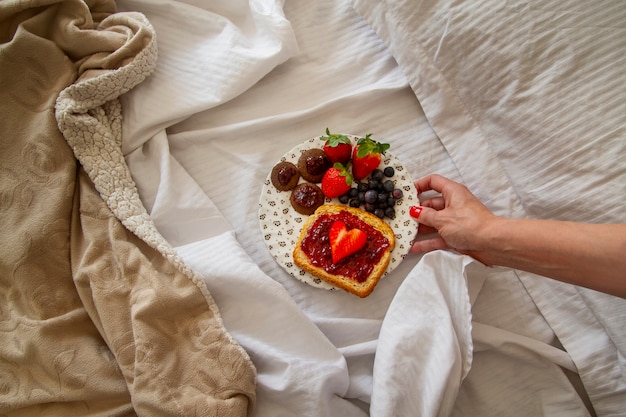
(98, 316)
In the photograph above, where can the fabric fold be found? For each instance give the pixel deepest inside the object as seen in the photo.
(208, 55)
(231, 47)
(425, 344)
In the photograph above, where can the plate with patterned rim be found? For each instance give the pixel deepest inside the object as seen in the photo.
(281, 225)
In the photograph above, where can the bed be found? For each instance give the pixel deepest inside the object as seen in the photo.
(137, 137)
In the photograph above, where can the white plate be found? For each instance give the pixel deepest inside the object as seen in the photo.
(281, 224)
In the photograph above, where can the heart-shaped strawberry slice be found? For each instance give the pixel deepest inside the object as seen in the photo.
(344, 242)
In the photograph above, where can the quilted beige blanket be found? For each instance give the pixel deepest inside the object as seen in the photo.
(98, 316)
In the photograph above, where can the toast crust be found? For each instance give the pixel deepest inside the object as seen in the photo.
(351, 285)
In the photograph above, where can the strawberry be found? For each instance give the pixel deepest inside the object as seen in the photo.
(366, 156)
(336, 181)
(344, 242)
(337, 147)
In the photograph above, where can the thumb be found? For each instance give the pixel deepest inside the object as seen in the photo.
(424, 215)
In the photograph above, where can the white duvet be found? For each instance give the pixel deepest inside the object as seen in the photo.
(451, 89)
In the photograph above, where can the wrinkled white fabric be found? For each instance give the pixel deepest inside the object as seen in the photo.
(200, 46)
(425, 343)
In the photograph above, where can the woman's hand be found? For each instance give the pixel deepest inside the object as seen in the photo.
(455, 219)
(456, 215)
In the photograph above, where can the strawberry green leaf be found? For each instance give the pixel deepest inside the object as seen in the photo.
(334, 139)
(368, 145)
(344, 172)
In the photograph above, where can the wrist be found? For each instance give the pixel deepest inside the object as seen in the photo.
(490, 240)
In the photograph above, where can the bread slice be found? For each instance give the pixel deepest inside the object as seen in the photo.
(365, 285)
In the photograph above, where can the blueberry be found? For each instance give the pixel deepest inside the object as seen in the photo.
(371, 196)
(353, 193)
(389, 172)
(355, 203)
(369, 207)
(382, 197)
(397, 194)
(391, 201)
(377, 174)
(343, 199)
(379, 213)
(362, 186)
(390, 212)
(388, 186)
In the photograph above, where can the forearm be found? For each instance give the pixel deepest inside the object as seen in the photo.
(589, 255)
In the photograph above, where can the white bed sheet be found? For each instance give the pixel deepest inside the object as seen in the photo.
(201, 136)
(535, 93)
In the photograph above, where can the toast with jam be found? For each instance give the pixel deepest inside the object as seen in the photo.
(345, 246)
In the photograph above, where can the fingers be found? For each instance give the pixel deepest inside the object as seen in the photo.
(426, 212)
(424, 215)
(425, 230)
(437, 203)
(428, 245)
(433, 182)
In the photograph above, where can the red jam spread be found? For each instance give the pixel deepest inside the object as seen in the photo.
(307, 195)
(286, 173)
(316, 244)
(317, 164)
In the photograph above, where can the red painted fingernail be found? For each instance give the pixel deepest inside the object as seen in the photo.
(415, 211)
